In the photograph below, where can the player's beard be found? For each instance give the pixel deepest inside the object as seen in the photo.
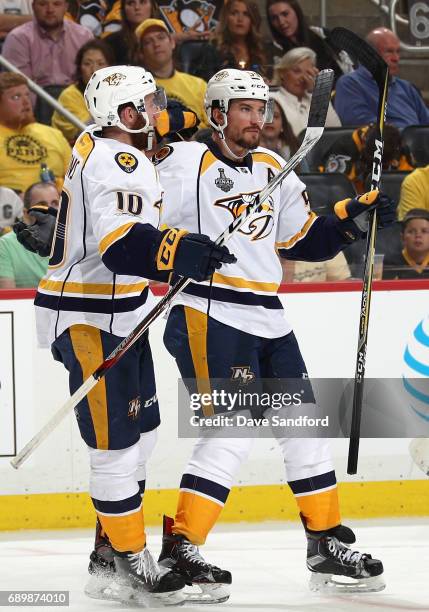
(248, 141)
(139, 139)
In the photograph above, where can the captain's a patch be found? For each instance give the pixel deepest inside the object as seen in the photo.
(126, 161)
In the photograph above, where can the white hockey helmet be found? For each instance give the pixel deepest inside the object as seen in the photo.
(232, 84)
(111, 87)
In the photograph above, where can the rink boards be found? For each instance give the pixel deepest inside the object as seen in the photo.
(49, 490)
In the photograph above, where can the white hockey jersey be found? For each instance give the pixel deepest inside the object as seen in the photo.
(108, 188)
(204, 192)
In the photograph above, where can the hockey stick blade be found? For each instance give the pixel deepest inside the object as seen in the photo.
(317, 116)
(359, 50)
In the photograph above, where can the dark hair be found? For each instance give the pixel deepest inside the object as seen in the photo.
(303, 32)
(29, 191)
(287, 133)
(127, 30)
(98, 45)
(223, 38)
(392, 149)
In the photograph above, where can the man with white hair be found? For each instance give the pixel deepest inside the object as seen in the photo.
(106, 244)
(356, 96)
(234, 325)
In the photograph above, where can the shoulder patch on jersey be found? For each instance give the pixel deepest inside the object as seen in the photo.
(126, 161)
(162, 154)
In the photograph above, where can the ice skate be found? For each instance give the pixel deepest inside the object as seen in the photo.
(184, 558)
(329, 557)
(141, 581)
(101, 567)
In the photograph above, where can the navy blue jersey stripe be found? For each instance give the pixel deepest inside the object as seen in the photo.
(248, 298)
(305, 485)
(118, 507)
(205, 486)
(79, 304)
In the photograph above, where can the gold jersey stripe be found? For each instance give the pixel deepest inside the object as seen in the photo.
(91, 288)
(112, 237)
(267, 159)
(196, 323)
(287, 245)
(84, 146)
(208, 160)
(236, 281)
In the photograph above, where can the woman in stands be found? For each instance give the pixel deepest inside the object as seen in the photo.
(91, 56)
(123, 43)
(289, 29)
(295, 74)
(238, 40)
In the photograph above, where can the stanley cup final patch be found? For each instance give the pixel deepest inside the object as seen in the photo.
(223, 182)
(126, 161)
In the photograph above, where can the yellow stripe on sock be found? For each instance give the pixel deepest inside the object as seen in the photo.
(320, 510)
(195, 516)
(126, 532)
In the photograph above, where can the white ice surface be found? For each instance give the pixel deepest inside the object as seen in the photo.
(267, 563)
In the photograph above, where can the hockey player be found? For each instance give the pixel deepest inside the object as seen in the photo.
(95, 292)
(237, 319)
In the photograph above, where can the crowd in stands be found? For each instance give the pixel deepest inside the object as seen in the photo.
(58, 46)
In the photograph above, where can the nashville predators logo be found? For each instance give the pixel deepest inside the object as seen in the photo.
(134, 408)
(114, 79)
(260, 224)
(242, 374)
(126, 161)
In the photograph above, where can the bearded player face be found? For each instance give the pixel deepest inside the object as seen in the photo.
(245, 122)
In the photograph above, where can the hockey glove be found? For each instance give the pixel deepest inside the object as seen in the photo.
(191, 255)
(356, 210)
(37, 237)
(176, 118)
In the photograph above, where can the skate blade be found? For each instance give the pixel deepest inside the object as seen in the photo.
(100, 587)
(116, 591)
(326, 583)
(207, 593)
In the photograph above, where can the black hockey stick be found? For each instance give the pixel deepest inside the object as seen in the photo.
(316, 123)
(361, 51)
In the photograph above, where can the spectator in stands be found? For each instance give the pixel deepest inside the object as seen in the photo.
(356, 97)
(238, 40)
(24, 144)
(10, 209)
(45, 49)
(414, 192)
(413, 260)
(157, 46)
(335, 269)
(13, 13)
(295, 73)
(352, 155)
(278, 135)
(19, 267)
(289, 30)
(93, 55)
(124, 43)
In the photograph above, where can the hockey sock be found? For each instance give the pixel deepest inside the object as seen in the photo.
(318, 504)
(123, 522)
(200, 504)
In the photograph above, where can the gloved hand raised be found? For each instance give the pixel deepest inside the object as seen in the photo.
(358, 209)
(37, 237)
(191, 255)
